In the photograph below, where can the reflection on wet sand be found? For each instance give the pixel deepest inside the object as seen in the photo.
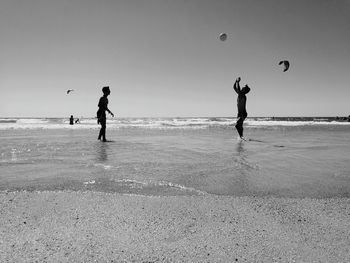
(101, 152)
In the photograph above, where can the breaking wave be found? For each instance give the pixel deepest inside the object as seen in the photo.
(165, 123)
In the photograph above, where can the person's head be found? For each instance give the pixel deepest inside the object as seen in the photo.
(245, 89)
(106, 91)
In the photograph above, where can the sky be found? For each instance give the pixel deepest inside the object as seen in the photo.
(163, 58)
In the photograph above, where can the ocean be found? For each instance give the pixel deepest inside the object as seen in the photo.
(283, 157)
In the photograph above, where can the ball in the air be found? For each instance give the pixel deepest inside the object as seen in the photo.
(223, 36)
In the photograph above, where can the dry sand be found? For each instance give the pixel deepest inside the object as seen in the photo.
(102, 227)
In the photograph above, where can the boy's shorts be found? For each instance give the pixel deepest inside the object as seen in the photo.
(242, 115)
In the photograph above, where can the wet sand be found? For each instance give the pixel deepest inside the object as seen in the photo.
(72, 226)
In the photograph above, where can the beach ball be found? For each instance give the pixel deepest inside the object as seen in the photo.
(223, 36)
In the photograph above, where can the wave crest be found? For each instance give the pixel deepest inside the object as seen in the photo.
(163, 123)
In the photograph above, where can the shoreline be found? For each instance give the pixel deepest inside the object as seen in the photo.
(86, 226)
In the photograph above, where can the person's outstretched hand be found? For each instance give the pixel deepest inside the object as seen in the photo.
(238, 79)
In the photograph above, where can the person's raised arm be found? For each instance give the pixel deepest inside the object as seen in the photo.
(236, 86)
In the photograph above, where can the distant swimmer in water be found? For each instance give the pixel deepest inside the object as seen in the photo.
(71, 120)
(241, 105)
(101, 113)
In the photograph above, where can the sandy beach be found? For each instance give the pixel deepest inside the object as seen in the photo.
(67, 226)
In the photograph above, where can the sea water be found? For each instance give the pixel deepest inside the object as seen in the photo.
(286, 157)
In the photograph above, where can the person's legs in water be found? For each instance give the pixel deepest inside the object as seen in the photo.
(102, 130)
(239, 124)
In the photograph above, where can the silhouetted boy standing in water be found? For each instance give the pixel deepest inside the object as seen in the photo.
(241, 105)
(101, 113)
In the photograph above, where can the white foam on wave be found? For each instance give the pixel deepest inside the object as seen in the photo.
(156, 123)
(291, 123)
(89, 182)
(160, 184)
(181, 187)
(45, 126)
(32, 121)
(104, 166)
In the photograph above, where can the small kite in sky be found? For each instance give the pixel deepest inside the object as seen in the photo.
(285, 63)
(69, 90)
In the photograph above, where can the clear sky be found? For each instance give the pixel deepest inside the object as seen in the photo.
(163, 57)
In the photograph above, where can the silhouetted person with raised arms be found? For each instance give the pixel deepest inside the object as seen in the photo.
(241, 105)
(101, 113)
